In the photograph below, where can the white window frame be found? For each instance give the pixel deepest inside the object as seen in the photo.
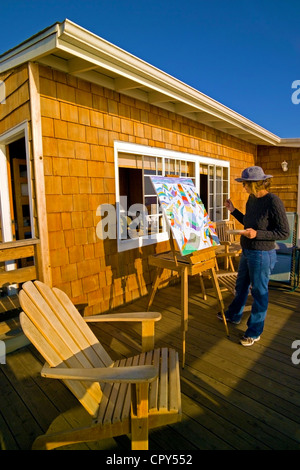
(143, 150)
(15, 133)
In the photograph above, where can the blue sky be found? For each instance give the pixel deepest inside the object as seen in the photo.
(243, 53)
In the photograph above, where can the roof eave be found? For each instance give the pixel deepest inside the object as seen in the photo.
(290, 142)
(75, 50)
(33, 48)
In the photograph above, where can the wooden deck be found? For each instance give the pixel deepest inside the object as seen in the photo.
(233, 397)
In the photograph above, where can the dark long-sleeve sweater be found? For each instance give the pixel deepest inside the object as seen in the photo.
(267, 216)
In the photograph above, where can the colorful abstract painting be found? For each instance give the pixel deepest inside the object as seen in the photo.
(191, 227)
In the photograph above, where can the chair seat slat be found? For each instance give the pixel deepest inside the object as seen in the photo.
(120, 403)
(153, 388)
(113, 412)
(174, 388)
(163, 383)
(127, 400)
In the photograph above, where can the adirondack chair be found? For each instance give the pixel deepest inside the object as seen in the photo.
(128, 396)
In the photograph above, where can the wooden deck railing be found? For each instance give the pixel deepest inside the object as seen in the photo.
(13, 251)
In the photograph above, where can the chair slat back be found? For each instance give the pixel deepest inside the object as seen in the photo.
(85, 392)
(222, 228)
(56, 328)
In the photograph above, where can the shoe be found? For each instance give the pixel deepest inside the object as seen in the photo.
(246, 341)
(220, 317)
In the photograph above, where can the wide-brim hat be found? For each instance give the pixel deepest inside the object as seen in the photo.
(253, 173)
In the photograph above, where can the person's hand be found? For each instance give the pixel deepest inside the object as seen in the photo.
(229, 205)
(250, 233)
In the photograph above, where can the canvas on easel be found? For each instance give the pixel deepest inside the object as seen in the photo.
(185, 212)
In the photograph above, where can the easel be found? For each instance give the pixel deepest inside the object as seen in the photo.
(196, 263)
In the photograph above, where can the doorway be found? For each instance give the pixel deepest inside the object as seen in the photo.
(16, 220)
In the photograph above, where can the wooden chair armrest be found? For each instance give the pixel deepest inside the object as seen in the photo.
(146, 318)
(131, 317)
(131, 374)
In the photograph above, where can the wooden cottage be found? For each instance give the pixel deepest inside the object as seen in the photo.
(83, 124)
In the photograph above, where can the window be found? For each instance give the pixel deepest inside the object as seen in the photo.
(218, 190)
(134, 164)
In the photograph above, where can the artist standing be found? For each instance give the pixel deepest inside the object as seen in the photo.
(264, 222)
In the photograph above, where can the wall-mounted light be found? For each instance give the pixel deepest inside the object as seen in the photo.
(284, 166)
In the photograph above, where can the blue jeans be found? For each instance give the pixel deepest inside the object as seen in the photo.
(254, 270)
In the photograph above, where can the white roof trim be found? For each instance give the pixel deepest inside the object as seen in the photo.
(291, 142)
(42, 43)
(77, 51)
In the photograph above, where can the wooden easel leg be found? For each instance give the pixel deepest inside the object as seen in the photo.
(184, 309)
(202, 286)
(155, 285)
(231, 264)
(219, 297)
